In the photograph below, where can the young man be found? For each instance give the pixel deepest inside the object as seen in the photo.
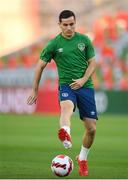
(73, 54)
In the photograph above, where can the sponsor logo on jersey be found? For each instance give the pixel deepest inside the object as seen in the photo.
(60, 50)
(81, 46)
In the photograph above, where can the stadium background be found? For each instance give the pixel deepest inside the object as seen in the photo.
(26, 26)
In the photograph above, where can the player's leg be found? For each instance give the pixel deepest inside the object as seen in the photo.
(87, 109)
(67, 101)
(88, 138)
(90, 132)
(66, 113)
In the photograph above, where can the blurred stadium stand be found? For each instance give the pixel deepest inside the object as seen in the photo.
(104, 21)
(110, 37)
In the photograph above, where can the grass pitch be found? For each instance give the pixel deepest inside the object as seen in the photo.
(28, 143)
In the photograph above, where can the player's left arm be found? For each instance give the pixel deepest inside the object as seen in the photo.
(90, 70)
(78, 83)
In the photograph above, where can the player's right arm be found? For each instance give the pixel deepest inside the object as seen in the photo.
(37, 76)
(45, 57)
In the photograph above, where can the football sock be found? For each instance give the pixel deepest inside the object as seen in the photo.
(83, 153)
(67, 128)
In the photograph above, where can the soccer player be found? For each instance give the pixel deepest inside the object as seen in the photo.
(74, 56)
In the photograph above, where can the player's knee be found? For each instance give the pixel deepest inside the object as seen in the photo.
(66, 109)
(91, 131)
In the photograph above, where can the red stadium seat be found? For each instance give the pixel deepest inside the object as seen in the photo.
(12, 63)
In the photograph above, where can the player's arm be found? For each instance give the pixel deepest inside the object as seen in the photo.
(37, 76)
(90, 70)
(78, 83)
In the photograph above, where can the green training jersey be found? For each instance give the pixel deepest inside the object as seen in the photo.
(71, 57)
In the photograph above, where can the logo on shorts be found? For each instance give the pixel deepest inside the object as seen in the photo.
(65, 94)
(81, 46)
(92, 113)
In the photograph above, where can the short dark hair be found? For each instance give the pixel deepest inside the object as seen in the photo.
(66, 14)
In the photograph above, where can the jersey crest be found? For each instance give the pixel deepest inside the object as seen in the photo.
(81, 46)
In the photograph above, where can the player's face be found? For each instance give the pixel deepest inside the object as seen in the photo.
(67, 26)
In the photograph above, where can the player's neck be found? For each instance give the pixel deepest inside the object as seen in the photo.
(67, 37)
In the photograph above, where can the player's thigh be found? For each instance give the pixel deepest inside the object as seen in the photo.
(86, 103)
(67, 99)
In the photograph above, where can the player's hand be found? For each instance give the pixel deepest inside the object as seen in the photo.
(32, 98)
(78, 83)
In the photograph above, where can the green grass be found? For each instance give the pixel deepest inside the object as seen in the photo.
(28, 143)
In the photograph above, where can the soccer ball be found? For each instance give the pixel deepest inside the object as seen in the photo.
(62, 165)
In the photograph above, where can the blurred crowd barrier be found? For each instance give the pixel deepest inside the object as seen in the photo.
(110, 38)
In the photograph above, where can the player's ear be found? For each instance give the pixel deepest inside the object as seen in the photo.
(59, 24)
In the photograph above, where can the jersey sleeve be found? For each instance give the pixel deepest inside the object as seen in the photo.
(90, 52)
(47, 53)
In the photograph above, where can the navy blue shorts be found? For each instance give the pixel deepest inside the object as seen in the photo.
(83, 98)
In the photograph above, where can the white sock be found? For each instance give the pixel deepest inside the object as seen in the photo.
(67, 128)
(83, 153)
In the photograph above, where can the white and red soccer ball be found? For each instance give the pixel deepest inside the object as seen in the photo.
(62, 165)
